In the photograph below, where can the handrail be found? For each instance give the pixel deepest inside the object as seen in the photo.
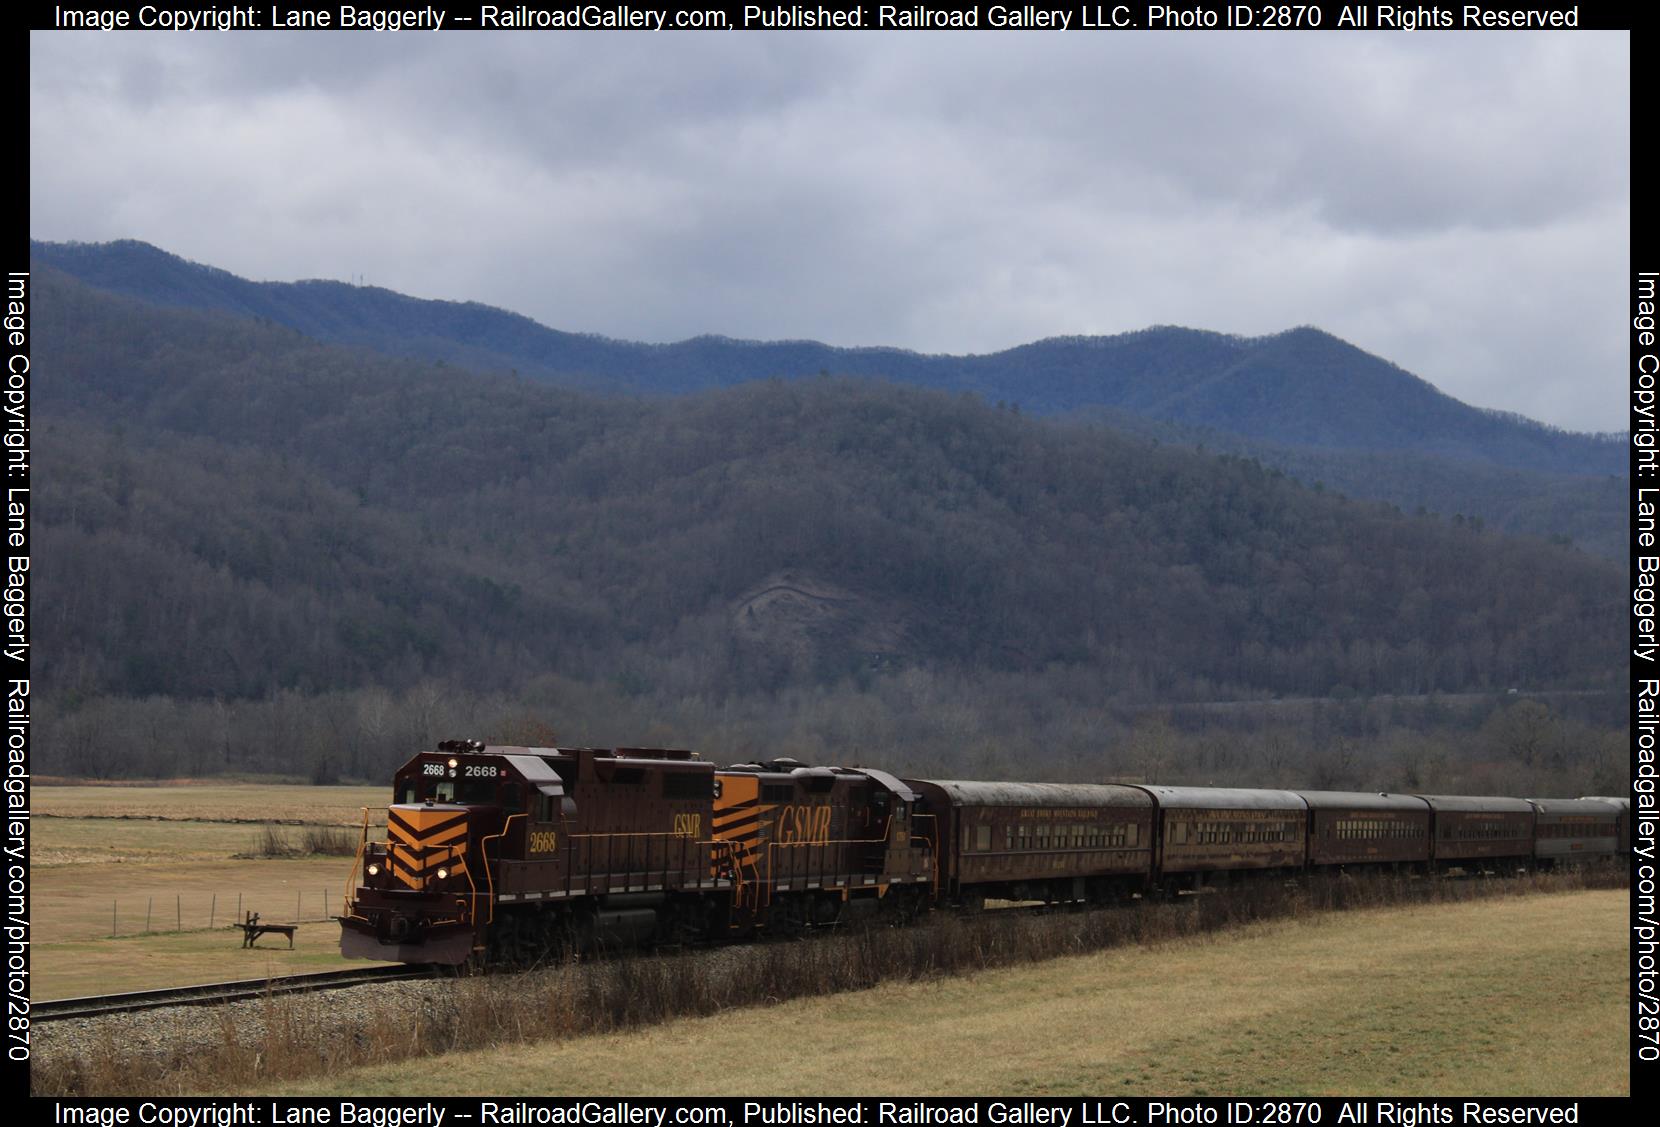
(840, 840)
(588, 873)
(357, 862)
(469, 910)
(484, 855)
(887, 829)
(933, 849)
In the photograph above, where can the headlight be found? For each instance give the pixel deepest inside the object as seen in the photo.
(442, 873)
(453, 763)
(374, 870)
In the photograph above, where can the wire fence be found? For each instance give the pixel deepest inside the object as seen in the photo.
(151, 914)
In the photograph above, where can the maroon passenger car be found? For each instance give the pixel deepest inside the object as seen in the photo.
(1038, 841)
(1622, 808)
(1347, 828)
(1210, 832)
(1571, 831)
(1482, 834)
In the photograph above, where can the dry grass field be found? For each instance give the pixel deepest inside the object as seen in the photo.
(1499, 993)
(1512, 996)
(173, 852)
(213, 802)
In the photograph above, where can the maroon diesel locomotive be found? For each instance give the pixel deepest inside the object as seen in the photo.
(517, 853)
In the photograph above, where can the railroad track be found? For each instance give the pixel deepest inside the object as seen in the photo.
(215, 993)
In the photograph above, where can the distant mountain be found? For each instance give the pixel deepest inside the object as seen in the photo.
(1302, 388)
(1588, 511)
(237, 510)
(274, 555)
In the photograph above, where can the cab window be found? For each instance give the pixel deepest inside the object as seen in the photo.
(474, 792)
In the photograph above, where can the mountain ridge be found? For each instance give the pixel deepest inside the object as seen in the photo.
(1302, 386)
(339, 555)
(918, 526)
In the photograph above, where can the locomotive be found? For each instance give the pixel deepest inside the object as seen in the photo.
(512, 854)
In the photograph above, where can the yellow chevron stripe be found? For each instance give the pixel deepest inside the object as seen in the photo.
(411, 864)
(421, 821)
(441, 842)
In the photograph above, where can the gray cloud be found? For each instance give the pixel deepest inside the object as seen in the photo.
(1456, 203)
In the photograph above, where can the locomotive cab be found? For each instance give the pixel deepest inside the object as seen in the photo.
(486, 856)
(422, 890)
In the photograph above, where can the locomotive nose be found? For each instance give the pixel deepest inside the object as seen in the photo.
(427, 844)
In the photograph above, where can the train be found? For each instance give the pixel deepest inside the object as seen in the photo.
(508, 855)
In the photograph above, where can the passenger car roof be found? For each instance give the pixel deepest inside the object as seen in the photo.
(964, 793)
(1474, 804)
(1225, 798)
(1362, 800)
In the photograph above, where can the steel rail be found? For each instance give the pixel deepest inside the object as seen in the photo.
(215, 993)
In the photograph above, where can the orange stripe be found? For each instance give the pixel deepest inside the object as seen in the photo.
(422, 827)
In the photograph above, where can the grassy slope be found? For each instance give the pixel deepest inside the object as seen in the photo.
(1450, 998)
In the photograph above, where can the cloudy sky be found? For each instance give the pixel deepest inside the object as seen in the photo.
(1456, 203)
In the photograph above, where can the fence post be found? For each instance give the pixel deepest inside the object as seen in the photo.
(148, 904)
(213, 906)
(178, 912)
(239, 916)
(112, 919)
(296, 905)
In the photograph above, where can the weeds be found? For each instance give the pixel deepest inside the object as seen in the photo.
(610, 995)
(337, 841)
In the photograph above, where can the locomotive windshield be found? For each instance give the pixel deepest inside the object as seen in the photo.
(464, 791)
(467, 792)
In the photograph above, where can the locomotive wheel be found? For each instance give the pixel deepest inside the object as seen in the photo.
(505, 945)
(786, 917)
(905, 905)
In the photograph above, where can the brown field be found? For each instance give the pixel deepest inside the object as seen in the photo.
(215, 802)
(172, 852)
(1511, 996)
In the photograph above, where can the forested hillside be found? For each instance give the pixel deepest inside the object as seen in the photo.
(1302, 387)
(1301, 401)
(1588, 511)
(241, 517)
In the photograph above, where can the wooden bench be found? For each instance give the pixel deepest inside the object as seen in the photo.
(252, 929)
